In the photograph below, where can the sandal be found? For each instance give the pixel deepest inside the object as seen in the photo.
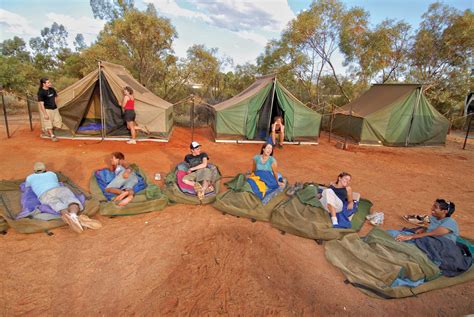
(199, 191)
(145, 130)
(209, 189)
(417, 219)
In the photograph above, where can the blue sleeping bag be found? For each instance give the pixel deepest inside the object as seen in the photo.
(343, 217)
(105, 176)
(30, 202)
(268, 178)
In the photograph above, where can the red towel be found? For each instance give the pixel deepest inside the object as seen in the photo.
(181, 184)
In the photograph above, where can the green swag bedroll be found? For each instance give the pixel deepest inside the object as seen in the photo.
(373, 263)
(176, 195)
(10, 206)
(304, 216)
(147, 200)
(240, 201)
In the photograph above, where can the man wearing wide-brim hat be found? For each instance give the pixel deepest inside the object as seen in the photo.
(46, 186)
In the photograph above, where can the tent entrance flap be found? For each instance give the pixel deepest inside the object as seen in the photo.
(268, 111)
(73, 112)
(90, 123)
(112, 110)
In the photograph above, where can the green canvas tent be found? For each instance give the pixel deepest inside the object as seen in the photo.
(248, 115)
(392, 115)
(91, 107)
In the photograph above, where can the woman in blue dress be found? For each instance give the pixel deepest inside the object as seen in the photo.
(266, 162)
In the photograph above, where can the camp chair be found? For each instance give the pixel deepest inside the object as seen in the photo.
(188, 196)
(10, 207)
(149, 199)
(303, 215)
(241, 201)
(373, 263)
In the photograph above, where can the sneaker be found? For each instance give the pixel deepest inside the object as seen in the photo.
(417, 219)
(54, 138)
(294, 188)
(131, 141)
(370, 216)
(87, 222)
(72, 221)
(298, 186)
(376, 219)
(291, 190)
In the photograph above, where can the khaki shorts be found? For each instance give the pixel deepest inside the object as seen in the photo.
(54, 119)
(59, 198)
(329, 197)
(203, 174)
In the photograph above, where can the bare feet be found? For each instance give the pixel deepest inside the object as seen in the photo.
(121, 196)
(126, 200)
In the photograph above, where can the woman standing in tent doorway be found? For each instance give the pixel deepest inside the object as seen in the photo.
(128, 105)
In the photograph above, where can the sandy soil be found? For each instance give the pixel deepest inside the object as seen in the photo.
(192, 260)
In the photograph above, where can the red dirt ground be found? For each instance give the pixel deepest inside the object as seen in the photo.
(192, 260)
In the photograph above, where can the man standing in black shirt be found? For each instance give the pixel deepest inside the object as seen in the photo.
(198, 171)
(49, 113)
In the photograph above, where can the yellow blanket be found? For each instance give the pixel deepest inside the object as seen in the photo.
(262, 187)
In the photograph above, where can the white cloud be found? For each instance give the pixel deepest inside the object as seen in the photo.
(87, 26)
(247, 15)
(12, 24)
(234, 15)
(252, 36)
(171, 8)
(239, 28)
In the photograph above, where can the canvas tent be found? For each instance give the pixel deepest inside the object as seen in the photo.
(94, 101)
(248, 115)
(392, 115)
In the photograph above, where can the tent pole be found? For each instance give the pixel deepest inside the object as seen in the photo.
(270, 117)
(102, 119)
(344, 147)
(330, 123)
(468, 131)
(5, 115)
(29, 112)
(413, 116)
(192, 120)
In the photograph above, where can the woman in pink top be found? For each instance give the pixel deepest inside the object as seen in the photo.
(128, 105)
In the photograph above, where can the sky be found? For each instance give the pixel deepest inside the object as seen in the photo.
(239, 29)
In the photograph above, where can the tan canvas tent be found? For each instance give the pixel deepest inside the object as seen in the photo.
(90, 108)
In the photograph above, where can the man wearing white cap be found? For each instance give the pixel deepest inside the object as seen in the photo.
(45, 185)
(198, 171)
